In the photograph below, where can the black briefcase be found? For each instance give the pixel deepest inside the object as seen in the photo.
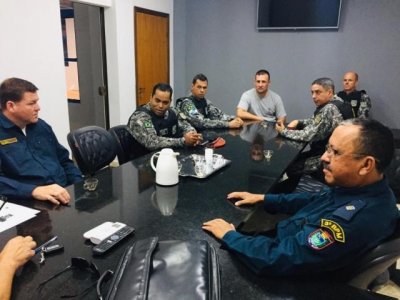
(150, 269)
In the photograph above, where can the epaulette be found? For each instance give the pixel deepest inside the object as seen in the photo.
(348, 211)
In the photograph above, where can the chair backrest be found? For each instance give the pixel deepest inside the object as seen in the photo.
(93, 148)
(307, 184)
(127, 146)
(393, 174)
(178, 102)
(369, 266)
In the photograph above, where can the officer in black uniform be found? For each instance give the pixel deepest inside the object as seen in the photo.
(359, 100)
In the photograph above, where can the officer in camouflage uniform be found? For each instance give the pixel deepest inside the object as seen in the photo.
(200, 112)
(156, 125)
(316, 130)
(359, 100)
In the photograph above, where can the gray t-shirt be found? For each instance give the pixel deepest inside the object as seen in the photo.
(270, 107)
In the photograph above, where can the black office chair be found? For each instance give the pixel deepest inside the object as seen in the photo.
(178, 102)
(308, 184)
(368, 267)
(393, 174)
(127, 146)
(93, 148)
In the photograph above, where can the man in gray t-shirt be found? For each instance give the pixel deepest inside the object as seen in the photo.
(260, 103)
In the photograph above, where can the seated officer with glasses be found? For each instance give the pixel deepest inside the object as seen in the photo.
(326, 230)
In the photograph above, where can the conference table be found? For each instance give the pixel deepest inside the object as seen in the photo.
(128, 194)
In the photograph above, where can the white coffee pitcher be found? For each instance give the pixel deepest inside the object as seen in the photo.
(167, 172)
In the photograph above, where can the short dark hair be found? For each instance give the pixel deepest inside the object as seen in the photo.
(13, 89)
(164, 87)
(263, 72)
(326, 83)
(376, 140)
(200, 77)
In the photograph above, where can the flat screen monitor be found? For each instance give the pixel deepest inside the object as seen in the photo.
(298, 14)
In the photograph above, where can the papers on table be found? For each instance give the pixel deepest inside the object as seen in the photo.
(13, 214)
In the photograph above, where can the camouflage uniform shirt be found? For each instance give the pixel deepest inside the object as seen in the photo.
(211, 117)
(143, 130)
(316, 130)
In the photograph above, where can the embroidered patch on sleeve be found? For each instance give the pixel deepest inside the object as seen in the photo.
(317, 119)
(8, 141)
(336, 229)
(147, 124)
(320, 239)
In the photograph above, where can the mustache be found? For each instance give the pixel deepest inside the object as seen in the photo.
(326, 166)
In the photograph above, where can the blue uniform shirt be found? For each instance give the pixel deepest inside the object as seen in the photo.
(326, 231)
(33, 160)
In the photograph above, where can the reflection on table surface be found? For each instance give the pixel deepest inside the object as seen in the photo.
(128, 194)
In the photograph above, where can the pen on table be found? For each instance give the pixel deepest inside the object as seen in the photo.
(37, 250)
(4, 199)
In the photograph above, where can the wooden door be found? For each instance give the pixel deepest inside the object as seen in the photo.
(152, 51)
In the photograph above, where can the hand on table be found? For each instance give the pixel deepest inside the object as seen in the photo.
(193, 138)
(218, 227)
(236, 123)
(279, 127)
(54, 193)
(16, 252)
(246, 198)
(293, 124)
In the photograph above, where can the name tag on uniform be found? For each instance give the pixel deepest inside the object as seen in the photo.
(8, 141)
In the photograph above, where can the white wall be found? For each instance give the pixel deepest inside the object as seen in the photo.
(31, 49)
(119, 19)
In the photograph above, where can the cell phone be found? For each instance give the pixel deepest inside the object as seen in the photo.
(205, 142)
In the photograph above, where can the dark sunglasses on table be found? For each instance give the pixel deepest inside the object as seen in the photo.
(81, 264)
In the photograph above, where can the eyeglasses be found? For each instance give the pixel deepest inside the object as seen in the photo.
(76, 263)
(335, 153)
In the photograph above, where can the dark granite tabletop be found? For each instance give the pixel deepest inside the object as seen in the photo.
(129, 195)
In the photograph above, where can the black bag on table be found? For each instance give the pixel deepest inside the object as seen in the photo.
(150, 269)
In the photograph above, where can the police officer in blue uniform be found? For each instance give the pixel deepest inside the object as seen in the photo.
(32, 162)
(326, 230)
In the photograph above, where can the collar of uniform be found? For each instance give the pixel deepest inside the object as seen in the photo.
(197, 99)
(5, 122)
(379, 187)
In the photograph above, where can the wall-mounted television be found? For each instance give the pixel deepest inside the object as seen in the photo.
(298, 14)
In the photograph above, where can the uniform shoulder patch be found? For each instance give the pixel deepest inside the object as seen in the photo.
(335, 228)
(348, 211)
(148, 124)
(320, 239)
(317, 119)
